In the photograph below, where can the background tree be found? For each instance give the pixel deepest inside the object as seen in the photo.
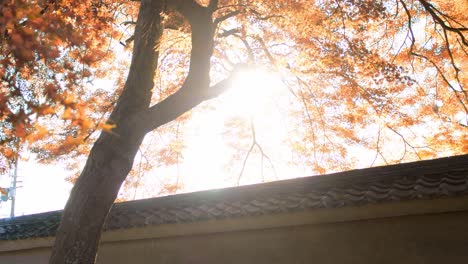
(359, 74)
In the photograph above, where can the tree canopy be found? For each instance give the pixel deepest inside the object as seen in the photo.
(382, 77)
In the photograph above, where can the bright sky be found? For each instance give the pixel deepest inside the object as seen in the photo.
(258, 94)
(44, 188)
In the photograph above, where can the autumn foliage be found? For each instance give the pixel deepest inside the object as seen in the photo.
(382, 77)
(385, 79)
(50, 51)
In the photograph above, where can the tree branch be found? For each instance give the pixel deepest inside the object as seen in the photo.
(433, 12)
(178, 103)
(227, 16)
(213, 5)
(196, 87)
(262, 153)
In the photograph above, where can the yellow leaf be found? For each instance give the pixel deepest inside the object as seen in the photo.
(48, 111)
(67, 114)
(20, 130)
(8, 153)
(107, 127)
(39, 133)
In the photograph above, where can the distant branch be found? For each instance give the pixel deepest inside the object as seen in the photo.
(456, 92)
(431, 9)
(265, 49)
(259, 16)
(438, 18)
(227, 16)
(406, 143)
(227, 33)
(125, 23)
(235, 33)
(262, 153)
(316, 105)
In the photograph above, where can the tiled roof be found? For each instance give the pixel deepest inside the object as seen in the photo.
(445, 177)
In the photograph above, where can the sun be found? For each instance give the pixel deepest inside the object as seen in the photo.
(261, 99)
(254, 92)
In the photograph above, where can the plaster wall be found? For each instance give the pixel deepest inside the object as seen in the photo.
(430, 238)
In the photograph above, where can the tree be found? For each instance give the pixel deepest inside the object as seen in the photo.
(111, 157)
(359, 73)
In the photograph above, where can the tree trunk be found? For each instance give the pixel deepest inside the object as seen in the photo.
(112, 155)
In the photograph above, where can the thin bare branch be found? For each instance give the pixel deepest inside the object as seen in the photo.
(262, 153)
(227, 16)
(433, 12)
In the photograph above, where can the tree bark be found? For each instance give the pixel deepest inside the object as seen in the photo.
(111, 157)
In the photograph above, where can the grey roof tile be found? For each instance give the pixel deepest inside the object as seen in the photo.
(417, 180)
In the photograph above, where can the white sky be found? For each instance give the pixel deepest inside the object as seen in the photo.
(43, 189)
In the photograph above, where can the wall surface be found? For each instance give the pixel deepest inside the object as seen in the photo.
(431, 238)
(30, 256)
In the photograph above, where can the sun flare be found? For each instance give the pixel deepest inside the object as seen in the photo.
(254, 92)
(258, 97)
